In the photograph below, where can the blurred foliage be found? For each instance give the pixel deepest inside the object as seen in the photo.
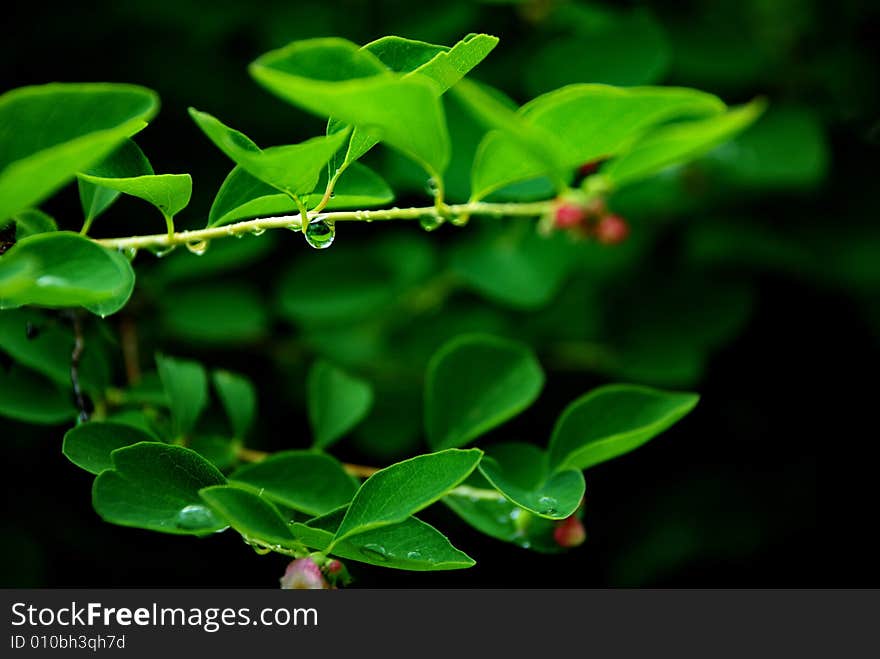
(791, 199)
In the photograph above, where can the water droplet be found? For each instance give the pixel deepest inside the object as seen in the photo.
(332, 195)
(195, 517)
(548, 505)
(199, 247)
(258, 231)
(159, 253)
(413, 555)
(430, 221)
(375, 551)
(320, 234)
(431, 186)
(460, 220)
(129, 252)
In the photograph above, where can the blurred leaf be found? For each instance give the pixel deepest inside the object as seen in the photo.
(48, 133)
(409, 545)
(248, 514)
(126, 161)
(786, 147)
(186, 385)
(222, 452)
(294, 168)
(679, 142)
(334, 78)
(223, 257)
(67, 270)
(31, 222)
(49, 350)
(337, 402)
(475, 383)
(392, 494)
(393, 427)
(28, 397)
(520, 472)
(611, 421)
(170, 193)
(156, 486)
(630, 49)
(239, 398)
(313, 483)
(89, 445)
(215, 313)
(516, 267)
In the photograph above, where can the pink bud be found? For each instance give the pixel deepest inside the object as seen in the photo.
(569, 532)
(568, 215)
(303, 574)
(611, 230)
(333, 567)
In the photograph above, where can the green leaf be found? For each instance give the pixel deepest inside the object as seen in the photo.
(334, 78)
(224, 257)
(28, 397)
(67, 270)
(475, 383)
(89, 445)
(580, 123)
(490, 513)
(156, 486)
(313, 483)
(442, 65)
(519, 471)
(170, 193)
(49, 351)
(239, 398)
(247, 513)
(613, 420)
(393, 494)
(409, 545)
(294, 169)
(516, 267)
(215, 313)
(48, 133)
(126, 161)
(32, 221)
(337, 402)
(679, 142)
(222, 452)
(186, 385)
(243, 196)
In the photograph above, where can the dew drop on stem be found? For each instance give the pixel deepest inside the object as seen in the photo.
(430, 221)
(320, 233)
(199, 247)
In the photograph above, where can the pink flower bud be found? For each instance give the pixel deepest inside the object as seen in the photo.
(569, 532)
(611, 230)
(334, 567)
(303, 574)
(568, 215)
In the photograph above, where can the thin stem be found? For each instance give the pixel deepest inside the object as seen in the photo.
(75, 358)
(530, 209)
(169, 223)
(328, 191)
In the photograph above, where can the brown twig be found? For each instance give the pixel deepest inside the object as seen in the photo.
(79, 345)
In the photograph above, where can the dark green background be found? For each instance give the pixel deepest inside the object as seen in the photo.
(732, 495)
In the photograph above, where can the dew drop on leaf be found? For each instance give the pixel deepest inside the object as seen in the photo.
(375, 551)
(414, 555)
(548, 505)
(320, 234)
(195, 517)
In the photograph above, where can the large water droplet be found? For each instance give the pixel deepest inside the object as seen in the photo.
(431, 186)
(199, 247)
(548, 505)
(320, 234)
(195, 517)
(375, 551)
(129, 252)
(414, 555)
(430, 221)
(259, 231)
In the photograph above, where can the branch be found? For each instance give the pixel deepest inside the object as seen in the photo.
(258, 225)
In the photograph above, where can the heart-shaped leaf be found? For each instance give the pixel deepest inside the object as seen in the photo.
(475, 383)
(126, 161)
(337, 402)
(156, 486)
(613, 420)
(170, 193)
